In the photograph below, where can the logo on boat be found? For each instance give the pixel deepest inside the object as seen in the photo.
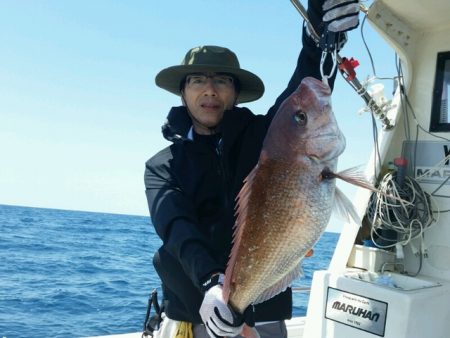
(428, 161)
(356, 311)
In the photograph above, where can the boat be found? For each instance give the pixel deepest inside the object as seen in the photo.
(390, 276)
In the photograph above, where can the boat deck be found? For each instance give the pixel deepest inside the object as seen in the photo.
(295, 328)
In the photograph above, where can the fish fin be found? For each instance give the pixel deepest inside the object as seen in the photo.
(356, 177)
(279, 287)
(344, 208)
(241, 213)
(249, 332)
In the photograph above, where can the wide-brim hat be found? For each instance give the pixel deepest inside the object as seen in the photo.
(211, 59)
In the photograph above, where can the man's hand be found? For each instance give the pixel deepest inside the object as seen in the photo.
(341, 15)
(220, 320)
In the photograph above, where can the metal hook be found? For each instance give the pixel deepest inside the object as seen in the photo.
(322, 64)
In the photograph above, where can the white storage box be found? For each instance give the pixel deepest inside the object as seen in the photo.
(370, 259)
(357, 306)
(393, 280)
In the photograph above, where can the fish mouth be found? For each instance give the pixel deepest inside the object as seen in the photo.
(326, 148)
(329, 135)
(314, 158)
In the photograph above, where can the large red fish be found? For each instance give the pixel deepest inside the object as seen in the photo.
(286, 201)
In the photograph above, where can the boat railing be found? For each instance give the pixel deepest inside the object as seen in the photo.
(301, 289)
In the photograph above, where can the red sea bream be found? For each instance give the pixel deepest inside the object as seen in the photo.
(286, 201)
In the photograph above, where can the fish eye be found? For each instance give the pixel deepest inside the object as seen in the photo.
(301, 117)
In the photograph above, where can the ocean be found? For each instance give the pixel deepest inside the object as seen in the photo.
(77, 274)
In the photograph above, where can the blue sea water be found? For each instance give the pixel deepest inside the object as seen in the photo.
(74, 274)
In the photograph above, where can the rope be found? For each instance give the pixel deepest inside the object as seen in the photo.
(408, 212)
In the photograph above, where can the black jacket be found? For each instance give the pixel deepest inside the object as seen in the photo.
(191, 189)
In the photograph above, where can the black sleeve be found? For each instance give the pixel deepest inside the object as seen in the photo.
(174, 220)
(308, 62)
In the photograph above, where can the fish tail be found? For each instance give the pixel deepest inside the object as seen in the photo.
(249, 332)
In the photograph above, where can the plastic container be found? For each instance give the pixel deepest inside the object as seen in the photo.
(369, 258)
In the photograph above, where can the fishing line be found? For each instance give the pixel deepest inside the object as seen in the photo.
(367, 47)
(439, 187)
(406, 123)
(377, 156)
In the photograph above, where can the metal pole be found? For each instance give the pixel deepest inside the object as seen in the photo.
(353, 82)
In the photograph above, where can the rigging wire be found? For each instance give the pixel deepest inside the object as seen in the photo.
(367, 47)
(377, 156)
(406, 123)
(410, 214)
(405, 210)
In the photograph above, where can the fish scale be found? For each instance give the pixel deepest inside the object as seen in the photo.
(284, 205)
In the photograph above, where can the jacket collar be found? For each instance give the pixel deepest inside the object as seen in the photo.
(178, 124)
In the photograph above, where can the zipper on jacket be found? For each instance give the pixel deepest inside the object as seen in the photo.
(223, 173)
(219, 152)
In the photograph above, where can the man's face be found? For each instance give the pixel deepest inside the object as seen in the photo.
(207, 96)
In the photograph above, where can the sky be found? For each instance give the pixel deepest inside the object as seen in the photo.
(80, 112)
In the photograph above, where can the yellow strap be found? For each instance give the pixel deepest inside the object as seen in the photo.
(184, 330)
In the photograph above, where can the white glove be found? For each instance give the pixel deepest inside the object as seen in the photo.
(341, 15)
(220, 320)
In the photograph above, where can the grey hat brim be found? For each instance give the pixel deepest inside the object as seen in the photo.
(251, 86)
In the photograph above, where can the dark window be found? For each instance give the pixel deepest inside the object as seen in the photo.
(440, 117)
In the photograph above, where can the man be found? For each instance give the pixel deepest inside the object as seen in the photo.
(191, 185)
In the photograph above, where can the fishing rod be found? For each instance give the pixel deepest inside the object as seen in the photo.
(346, 69)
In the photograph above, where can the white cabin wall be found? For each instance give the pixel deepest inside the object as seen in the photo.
(437, 239)
(420, 85)
(424, 64)
(418, 51)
